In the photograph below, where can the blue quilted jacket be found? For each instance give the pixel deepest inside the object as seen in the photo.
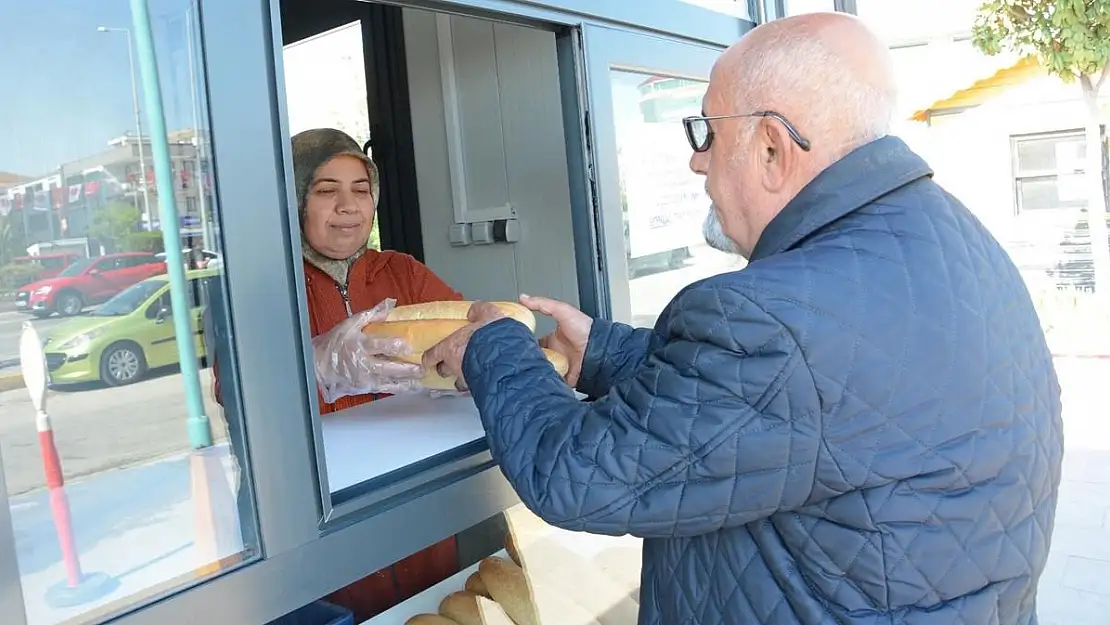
(860, 427)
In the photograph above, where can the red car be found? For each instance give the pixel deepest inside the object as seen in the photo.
(89, 281)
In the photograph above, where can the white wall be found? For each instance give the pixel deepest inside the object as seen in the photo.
(971, 155)
(514, 150)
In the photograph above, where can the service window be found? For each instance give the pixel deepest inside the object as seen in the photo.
(118, 519)
(475, 86)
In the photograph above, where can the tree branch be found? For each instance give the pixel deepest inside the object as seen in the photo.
(1102, 75)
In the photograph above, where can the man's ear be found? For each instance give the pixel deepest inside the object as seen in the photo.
(776, 156)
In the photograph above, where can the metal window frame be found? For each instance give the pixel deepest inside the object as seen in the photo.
(1016, 173)
(608, 50)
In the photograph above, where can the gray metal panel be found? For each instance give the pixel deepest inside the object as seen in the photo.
(246, 120)
(593, 289)
(268, 589)
(11, 586)
(670, 17)
(608, 49)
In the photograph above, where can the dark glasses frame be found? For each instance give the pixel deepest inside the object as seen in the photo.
(689, 122)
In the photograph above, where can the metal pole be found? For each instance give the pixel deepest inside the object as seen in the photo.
(198, 177)
(199, 429)
(139, 130)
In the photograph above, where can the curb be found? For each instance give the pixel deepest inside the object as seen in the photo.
(11, 382)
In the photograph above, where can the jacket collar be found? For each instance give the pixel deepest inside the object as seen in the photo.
(863, 176)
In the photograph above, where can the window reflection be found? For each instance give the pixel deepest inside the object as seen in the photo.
(139, 507)
(663, 202)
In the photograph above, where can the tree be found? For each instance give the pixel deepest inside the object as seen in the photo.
(1071, 40)
(116, 225)
(13, 237)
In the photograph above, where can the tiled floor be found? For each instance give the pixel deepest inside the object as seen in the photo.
(1075, 588)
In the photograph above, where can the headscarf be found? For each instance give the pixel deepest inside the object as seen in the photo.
(311, 150)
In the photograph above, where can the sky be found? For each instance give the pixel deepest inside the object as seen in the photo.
(66, 89)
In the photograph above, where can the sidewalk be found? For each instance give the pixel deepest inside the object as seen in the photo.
(136, 525)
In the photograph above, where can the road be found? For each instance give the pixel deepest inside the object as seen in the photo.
(99, 429)
(11, 324)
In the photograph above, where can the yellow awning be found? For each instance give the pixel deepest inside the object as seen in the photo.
(986, 88)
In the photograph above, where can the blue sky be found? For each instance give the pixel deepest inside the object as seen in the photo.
(66, 89)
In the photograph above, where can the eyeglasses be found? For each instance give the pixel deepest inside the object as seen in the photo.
(700, 134)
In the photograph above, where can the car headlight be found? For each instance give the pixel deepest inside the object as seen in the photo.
(81, 341)
(43, 290)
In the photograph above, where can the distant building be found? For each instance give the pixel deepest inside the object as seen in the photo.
(63, 203)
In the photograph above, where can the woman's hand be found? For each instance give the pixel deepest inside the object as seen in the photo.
(350, 362)
(572, 331)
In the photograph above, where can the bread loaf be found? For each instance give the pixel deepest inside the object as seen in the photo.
(423, 326)
(461, 607)
(511, 548)
(430, 619)
(458, 311)
(467, 608)
(474, 584)
(508, 586)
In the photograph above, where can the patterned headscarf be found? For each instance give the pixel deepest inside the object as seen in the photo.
(311, 150)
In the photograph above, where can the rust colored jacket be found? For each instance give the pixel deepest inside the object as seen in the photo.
(376, 276)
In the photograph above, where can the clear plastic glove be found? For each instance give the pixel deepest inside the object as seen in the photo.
(349, 362)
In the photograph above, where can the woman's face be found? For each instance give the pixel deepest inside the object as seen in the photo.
(339, 209)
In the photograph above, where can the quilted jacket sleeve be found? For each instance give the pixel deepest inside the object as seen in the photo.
(614, 352)
(718, 426)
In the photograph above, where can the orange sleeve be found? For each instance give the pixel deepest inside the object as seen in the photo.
(428, 287)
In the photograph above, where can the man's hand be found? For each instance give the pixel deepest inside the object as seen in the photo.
(572, 331)
(446, 357)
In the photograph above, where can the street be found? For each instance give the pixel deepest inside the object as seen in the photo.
(99, 429)
(11, 323)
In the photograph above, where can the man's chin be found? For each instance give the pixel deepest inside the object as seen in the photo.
(715, 235)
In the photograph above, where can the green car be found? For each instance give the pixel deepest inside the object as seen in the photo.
(130, 334)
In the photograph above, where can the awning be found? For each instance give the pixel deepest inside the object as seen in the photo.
(984, 89)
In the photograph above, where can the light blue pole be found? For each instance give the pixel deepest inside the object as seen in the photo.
(200, 432)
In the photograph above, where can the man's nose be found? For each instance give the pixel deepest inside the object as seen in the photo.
(699, 162)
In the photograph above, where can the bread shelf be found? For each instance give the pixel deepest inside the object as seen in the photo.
(428, 601)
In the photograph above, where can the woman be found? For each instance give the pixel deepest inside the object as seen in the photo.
(337, 189)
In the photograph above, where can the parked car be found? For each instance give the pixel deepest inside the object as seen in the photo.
(50, 265)
(87, 282)
(211, 259)
(127, 336)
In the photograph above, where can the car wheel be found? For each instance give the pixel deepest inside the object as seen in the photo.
(69, 304)
(122, 363)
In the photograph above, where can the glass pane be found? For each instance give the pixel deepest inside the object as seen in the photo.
(1051, 192)
(797, 7)
(134, 507)
(1041, 220)
(664, 203)
(325, 87)
(735, 8)
(1056, 154)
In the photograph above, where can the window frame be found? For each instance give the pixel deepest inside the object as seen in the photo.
(1017, 175)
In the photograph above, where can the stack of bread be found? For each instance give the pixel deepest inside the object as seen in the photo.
(500, 593)
(422, 326)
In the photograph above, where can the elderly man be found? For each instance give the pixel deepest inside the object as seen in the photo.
(861, 426)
